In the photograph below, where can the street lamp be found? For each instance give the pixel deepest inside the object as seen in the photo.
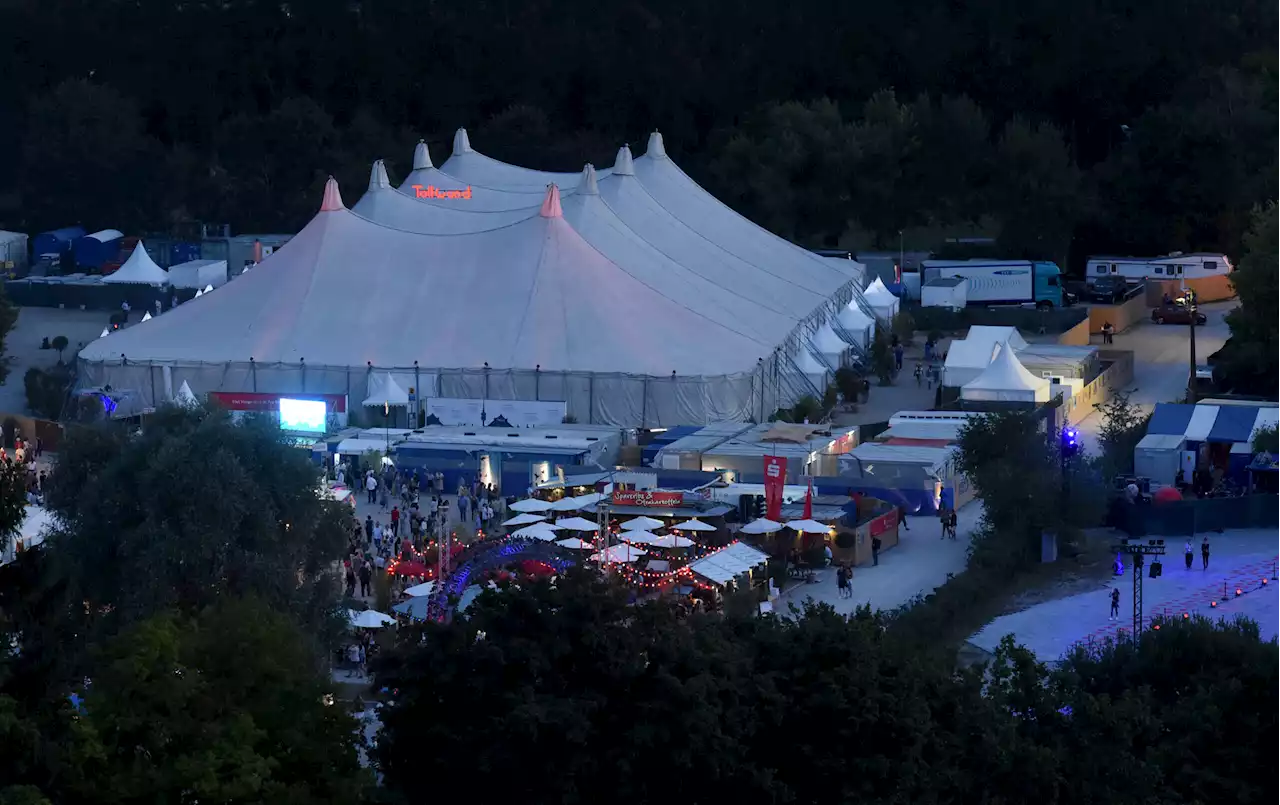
(1192, 312)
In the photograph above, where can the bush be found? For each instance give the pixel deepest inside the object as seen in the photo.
(849, 382)
(904, 326)
(59, 343)
(882, 362)
(46, 391)
(381, 591)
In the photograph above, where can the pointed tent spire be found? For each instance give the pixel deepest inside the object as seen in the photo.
(146, 316)
(461, 143)
(208, 288)
(624, 165)
(199, 294)
(551, 206)
(105, 333)
(588, 186)
(332, 198)
(378, 176)
(421, 156)
(656, 147)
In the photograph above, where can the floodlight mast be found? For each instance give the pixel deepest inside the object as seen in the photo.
(1153, 547)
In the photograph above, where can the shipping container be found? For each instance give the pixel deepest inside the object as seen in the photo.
(94, 249)
(56, 241)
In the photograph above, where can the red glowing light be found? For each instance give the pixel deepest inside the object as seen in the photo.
(1238, 591)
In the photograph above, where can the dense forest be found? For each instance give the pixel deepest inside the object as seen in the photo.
(1135, 126)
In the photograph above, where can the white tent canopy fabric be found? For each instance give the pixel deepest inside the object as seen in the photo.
(545, 532)
(384, 390)
(762, 526)
(139, 269)
(185, 396)
(578, 524)
(1006, 380)
(641, 524)
(881, 299)
(639, 536)
(979, 333)
(420, 590)
(533, 505)
(966, 360)
(369, 619)
(535, 284)
(619, 554)
(728, 563)
(693, 525)
(576, 544)
(524, 519)
(808, 526)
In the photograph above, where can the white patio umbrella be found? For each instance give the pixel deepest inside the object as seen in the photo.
(761, 526)
(671, 541)
(369, 619)
(589, 498)
(808, 526)
(576, 543)
(618, 553)
(567, 505)
(639, 536)
(530, 505)
(644, 523)
(543, 531)
(693, 525)
(578, 524)
(525, 519)
(419, 590)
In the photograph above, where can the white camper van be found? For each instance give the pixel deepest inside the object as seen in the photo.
(1176, 266)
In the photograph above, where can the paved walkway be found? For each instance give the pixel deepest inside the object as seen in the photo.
(918, 564)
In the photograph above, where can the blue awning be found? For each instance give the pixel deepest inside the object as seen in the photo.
(1170, 419)
(1234, 424)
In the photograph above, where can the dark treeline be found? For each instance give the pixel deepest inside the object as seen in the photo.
(1062, 128)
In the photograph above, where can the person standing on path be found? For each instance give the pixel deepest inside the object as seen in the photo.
(902, 517)
(1188, 554)
(395, 521)
(842, 582)
(875, 551)
(368, 528)
(897, 357)
(371, 488)
(1204, 554)
(919, 373)
(1115, 604)
(366, 575)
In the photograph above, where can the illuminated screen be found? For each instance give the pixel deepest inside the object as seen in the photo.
(303, 415)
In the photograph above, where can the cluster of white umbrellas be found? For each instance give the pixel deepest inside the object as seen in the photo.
(765, 526)
(369, 619)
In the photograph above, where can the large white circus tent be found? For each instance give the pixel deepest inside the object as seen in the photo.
(637, 299)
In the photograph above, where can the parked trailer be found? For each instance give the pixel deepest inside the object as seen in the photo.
(98, 248)
(1176, 266)
(1002, 282)
(56, 241)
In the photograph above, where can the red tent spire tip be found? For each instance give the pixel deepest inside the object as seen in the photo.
(332, 198)
(551, 205)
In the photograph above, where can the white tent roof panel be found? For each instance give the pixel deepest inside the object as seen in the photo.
(139, 269)
(1006, 380)
(563, 306)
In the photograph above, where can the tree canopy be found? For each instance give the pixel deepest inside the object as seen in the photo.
(1247, 364)
(1123, 127)
(192, 509)
(562, 692)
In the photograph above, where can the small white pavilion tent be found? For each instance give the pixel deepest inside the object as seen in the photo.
(384, 390)
(818, 375)
(726, 564)
(1006, 380)
(832, 346)
(881, 299)
(139, 269)
(966, 360)
(857, 323)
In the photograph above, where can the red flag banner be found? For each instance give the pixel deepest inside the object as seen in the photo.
(775, 479)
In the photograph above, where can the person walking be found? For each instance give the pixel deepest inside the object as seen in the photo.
(875, 551)
(919, 373)
(1188, 554)
(902, 517)
(898, 352)
(842, 582)
(1108, 333)
(1115, 604)
(395, 521)
(366, 575)
(351, 581)
(952, 521)
(1204, 554)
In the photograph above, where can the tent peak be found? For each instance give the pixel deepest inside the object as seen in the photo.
(589, 186)
(421, 156)
(332, 198)
(624, 165)
(656, 147)
(461, 143)
(551, 205)
(378, 176)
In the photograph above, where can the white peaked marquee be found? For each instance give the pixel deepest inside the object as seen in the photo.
(630, 294)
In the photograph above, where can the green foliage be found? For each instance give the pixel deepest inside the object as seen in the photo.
(59, 343)
(849, 382)
(1124, 423)
(882, 360)
(1267, 440)
(1247, 364)
(47, 391)
(1018, 476)
(194, 509)
(381, 592)
(904, 326)
(225, 707)
(13, 502)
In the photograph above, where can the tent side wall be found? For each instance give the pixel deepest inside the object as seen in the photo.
(616, 399)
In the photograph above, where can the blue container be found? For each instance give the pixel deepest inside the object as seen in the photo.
(94, 250)
(56, 241)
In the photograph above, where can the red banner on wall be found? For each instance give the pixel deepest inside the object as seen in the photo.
(883, 523)
(646, 497)
(254, 401)
(775, 479)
